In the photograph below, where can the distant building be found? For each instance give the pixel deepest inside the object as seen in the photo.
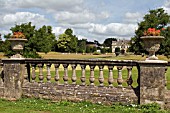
(122, 44)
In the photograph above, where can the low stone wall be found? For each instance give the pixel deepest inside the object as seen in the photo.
(95, 94)
(19, 80)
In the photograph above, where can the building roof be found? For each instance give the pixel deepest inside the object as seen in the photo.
(120, 42)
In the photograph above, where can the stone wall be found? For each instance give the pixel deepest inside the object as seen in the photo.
(95, 94)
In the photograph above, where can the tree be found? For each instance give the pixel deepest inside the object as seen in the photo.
(108, 42)
(165, 46)
(82, 45)
(62, 42)
(89, 49)
(155, 19)
(103, 50)
(38, 40)
(67, 42)
(44, 39)
(1, 43)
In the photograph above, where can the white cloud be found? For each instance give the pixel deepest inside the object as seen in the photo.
(166, 6)
(167, 10)
(58, 30)
(103, 15)
(133, 17)
(82, 37)
(79, 18)
(117, 30)
(74, 18)
(51, 5)
(22, 17)
(4, 32)
(113, 29)
(78, 26)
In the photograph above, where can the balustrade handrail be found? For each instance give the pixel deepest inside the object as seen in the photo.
(78, 61)
(84, 61)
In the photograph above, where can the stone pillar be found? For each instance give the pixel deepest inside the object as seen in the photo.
(13, 78)
(152, 81)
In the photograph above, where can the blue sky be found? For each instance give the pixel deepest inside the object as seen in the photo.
(90, 19)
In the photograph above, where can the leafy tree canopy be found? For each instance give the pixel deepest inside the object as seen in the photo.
(108, 42)
(67, 42)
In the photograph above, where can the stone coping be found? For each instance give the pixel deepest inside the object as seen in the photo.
(153, 61)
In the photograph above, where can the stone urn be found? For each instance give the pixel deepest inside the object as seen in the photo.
(152, 44)
(17, 45)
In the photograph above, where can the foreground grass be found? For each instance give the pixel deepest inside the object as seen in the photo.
(26, 105)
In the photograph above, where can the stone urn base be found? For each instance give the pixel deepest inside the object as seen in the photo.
(17, 45)
(152, 44)
(17, 56)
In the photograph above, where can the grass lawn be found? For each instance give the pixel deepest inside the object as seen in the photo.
(56, 55)
(26, 105)
(102, 56)
(1, 55)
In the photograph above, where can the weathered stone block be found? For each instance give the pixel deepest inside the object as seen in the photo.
(152, 81)
(13, 79)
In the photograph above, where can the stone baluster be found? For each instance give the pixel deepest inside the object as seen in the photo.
(101, 78)
(48, 72)
(110, 77)
(57, 76)
(74, 78)
(41, 77)
(166, 78)
(33, 77)
(129, 76)
(119, 79)
(26, 79)
(92, 79)
(65, 77)
(83, 73)
(1, 74)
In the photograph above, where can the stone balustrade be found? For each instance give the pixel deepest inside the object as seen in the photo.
(95, 80)
(44, 66)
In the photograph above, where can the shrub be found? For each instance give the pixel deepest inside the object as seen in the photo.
(117, 51)
(96, 53)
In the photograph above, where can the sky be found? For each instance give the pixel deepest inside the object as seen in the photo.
(89, 19)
